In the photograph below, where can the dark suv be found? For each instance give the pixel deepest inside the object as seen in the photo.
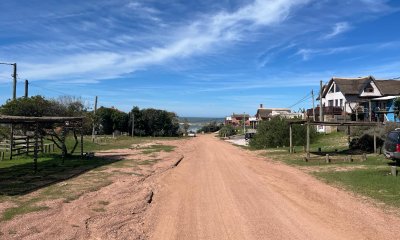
(392, 145)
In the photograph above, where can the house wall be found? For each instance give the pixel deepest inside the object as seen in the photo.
(375, 93)
(333, 97)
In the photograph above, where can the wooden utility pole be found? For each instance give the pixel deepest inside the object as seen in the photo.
(94, 122)
(15, 81)
(313, 107)
(321, 113)
(26, 88)
(370, 110)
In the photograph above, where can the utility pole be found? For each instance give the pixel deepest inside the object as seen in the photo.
(321, 113)
(15, 81)
(313, 108)
(94, 122)
(26, 88)
(14, 75)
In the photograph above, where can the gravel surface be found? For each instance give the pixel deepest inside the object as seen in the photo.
(221, 192)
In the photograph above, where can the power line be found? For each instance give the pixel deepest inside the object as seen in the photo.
(305, 98)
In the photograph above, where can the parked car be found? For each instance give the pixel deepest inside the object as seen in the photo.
(191, 134)
(391, 148)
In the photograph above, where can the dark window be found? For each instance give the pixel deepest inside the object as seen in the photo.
(332, 89)
(369, 88)
(330, 103)
(394, 137)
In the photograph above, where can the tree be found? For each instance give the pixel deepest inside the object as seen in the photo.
(227, 131)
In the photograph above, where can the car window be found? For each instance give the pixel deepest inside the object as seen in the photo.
(394, 136)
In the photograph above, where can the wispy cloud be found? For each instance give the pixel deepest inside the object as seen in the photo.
(337, 29)
(203, 35)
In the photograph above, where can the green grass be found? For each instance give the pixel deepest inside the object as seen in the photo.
(374, 183)
(22, 208)
(370, 178)
(157, 148)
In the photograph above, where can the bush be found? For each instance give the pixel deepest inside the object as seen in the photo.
(227, 131)
(275, 133)
(365, 143)
(211, 127)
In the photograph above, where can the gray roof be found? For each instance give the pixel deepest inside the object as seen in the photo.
(349, 86)
(388, 87)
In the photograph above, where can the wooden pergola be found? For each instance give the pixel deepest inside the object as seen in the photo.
(37, 123)
(309, 123)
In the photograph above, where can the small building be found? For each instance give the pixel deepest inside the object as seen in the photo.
(237, 120)
(268, 113)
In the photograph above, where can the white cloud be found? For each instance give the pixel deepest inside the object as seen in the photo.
(339, 28)
(204, 35)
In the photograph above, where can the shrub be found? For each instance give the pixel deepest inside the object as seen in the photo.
(275, 133)
(227, 131)
(365, 143)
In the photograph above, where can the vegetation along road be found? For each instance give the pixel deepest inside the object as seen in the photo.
(220, 192)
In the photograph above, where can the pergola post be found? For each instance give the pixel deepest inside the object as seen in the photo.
(375, 140)
(63, 150)
(81, 131)
(308, 140)
(348, 135)
(11, 141)
(290, 138)
(36, 146)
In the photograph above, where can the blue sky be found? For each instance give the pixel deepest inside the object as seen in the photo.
(196, 58)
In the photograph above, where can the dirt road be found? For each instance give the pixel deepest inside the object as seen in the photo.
(222, 192)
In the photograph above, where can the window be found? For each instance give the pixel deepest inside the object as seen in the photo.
(332, 90)
(369, 88)
(330, 103)
(341, 102)
(336, 102)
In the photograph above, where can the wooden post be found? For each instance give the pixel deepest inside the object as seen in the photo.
(364, 157)
(393, 170)
(27, 145)
(11, 141)
(290, 138)
(35, 150)
(356, 113)
(41, 143)
(375, 140)
(370, 111)
(81, 141)
(2, 156)
(327, 159)
(63, 150)
(308, 140)
(348, 135)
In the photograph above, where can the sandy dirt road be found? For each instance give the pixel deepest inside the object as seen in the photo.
(222, 192)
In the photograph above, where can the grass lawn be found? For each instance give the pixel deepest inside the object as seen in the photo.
(370, 178)
(17, 176)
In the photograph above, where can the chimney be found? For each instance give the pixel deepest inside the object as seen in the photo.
(261, 105)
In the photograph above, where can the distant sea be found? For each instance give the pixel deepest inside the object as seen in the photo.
(197, 122)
